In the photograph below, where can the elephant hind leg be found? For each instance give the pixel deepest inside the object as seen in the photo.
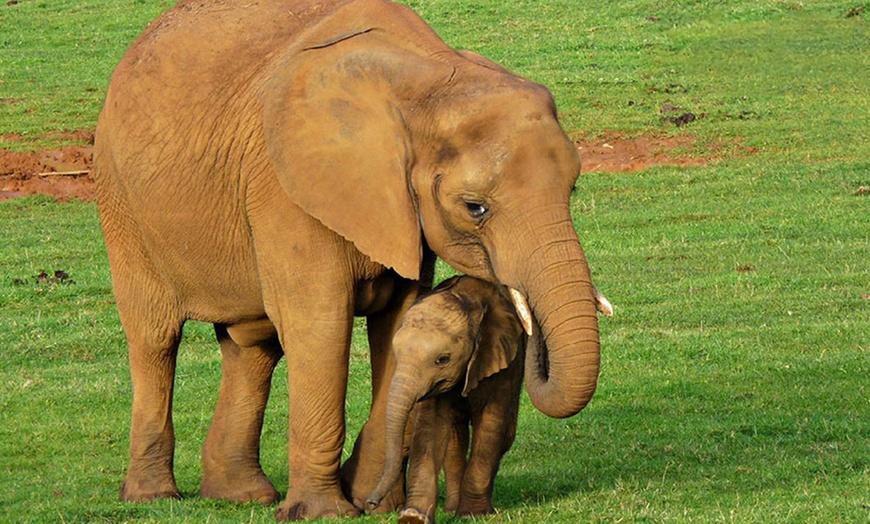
(152, 353)
(231, 453)
(152, 322)
(494, 426)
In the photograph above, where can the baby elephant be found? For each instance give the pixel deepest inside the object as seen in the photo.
(459, 354)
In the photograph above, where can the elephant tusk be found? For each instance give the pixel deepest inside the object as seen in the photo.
(523, 310)
(601, 303)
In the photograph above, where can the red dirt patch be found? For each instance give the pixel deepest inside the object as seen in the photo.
(615, 154)
(65, 173)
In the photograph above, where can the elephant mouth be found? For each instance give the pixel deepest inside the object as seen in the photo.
(438, 388)
(524, 312)
(429, 394)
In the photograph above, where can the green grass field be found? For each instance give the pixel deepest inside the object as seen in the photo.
(734, 383)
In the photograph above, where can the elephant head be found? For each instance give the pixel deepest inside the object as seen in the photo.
(463, 332)
(400, 144)
(460, 334)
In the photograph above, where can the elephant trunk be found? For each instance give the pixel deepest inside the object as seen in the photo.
(562, 359)
(400, 401)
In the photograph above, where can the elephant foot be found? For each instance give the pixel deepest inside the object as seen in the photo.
(256, 489)
(146, 489)
(415, 516)
(359, 480)
(304, 507)
(473, 508)
(392, 501)
(451, 502)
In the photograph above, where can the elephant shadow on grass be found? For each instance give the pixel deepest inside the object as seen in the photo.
(535, 475)
(624, 445)
(611, 445)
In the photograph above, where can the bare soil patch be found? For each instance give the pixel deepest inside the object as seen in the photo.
(618, 154)
(65, 173)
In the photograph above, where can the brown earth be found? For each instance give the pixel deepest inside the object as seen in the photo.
(617, 154)
(65, 173)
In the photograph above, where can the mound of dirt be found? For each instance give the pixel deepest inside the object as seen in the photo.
(65, 173)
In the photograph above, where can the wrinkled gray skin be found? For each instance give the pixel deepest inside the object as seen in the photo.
(459, 359)
(276, 168)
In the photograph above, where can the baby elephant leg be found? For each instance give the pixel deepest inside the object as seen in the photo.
(494, 428)
(456, 457)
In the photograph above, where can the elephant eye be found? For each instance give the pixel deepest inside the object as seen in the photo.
(475, 209)
(443, 360)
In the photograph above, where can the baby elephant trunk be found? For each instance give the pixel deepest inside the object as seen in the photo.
(400, 402)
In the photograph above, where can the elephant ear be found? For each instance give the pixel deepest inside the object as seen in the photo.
(337, 138)
(496, 345)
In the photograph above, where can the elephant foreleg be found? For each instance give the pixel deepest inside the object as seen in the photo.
(231, 453)
(361, 472)
(308, 295)
(317, 366)
(426, 454)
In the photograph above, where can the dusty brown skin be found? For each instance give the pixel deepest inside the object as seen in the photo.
(276, 169)
(459, 362)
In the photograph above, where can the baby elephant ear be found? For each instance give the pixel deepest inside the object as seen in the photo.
(499, 336)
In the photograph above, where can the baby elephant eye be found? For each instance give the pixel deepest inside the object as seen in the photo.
(475, 209)
(443, 360)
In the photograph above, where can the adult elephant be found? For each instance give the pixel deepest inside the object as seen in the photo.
(276, 169)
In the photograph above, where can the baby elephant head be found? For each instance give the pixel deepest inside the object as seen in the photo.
(461, 333)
